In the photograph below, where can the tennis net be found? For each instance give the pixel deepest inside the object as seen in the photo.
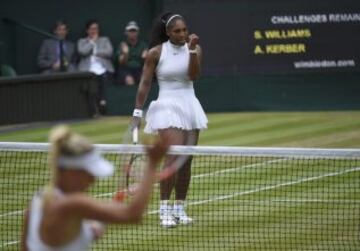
(240, 199)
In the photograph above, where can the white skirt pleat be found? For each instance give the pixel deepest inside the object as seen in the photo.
(175, 109)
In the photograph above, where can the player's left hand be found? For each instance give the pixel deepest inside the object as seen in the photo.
(193, 41)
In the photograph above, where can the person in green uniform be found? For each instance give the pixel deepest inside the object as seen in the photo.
(131, 55)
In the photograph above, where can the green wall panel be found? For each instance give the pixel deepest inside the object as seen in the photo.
(295, 92)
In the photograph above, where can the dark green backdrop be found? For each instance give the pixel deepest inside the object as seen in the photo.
(225, 27)
(20, 47)
(248, 92)
(224, 87)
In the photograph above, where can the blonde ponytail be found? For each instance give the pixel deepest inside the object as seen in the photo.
(59, 135)
(63, 142)
(57, 138)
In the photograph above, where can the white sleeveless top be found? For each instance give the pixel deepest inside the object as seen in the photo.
(172, 68)
(34, 242)
(177, 105)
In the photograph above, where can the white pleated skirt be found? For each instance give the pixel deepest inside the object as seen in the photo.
(175, 109)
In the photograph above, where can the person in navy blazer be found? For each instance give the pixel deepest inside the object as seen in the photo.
(48, 59)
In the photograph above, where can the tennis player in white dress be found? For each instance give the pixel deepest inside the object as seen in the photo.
(175, 59)
(64, 217)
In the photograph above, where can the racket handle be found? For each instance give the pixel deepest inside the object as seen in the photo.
(135, 135)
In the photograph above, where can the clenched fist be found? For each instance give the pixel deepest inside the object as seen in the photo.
(193, 41)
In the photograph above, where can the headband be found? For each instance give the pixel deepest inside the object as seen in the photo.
(171, 18)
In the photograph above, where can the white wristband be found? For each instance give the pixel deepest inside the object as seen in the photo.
(194, 51)
(137, 113)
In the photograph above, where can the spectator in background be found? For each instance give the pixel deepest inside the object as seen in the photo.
(95, 54)
(131, 55)
(49, 55)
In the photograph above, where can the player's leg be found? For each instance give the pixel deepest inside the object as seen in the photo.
(183, 176)
(174, 137)
(182, 182)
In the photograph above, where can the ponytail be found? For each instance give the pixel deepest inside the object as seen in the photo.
(162, 23)
(58, 136)
(63, 142)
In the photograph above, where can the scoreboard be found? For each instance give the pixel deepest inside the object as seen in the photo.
(292, 42)
(275, 36)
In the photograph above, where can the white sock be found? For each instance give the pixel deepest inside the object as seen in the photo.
(179, 207)
(164, 202)
(165, 207)
(179, 204)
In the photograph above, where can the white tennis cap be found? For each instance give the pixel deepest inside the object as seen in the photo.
(132, 25)
(91, 162)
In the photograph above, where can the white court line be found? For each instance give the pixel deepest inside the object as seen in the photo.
(193, 177)
(228, 170)
(9, 243)
(290, 183)
(229, 196)
(12, 213)
(311, 201)
(237, 168)
(253, 202)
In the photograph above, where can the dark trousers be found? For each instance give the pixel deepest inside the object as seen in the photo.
(97, 98)
(103, 81)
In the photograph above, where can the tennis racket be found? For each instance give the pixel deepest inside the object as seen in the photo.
(133, 165)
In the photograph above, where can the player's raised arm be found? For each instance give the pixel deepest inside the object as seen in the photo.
(63, 214)
(113, 212)
(194, 70)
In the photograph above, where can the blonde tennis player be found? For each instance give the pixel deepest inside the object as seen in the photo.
(63, 217)
(175, 59)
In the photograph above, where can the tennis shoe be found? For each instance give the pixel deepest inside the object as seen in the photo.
(181, 216)
(167, 221)
(166, 218)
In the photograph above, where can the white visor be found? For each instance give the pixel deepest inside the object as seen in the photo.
(91, 162)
